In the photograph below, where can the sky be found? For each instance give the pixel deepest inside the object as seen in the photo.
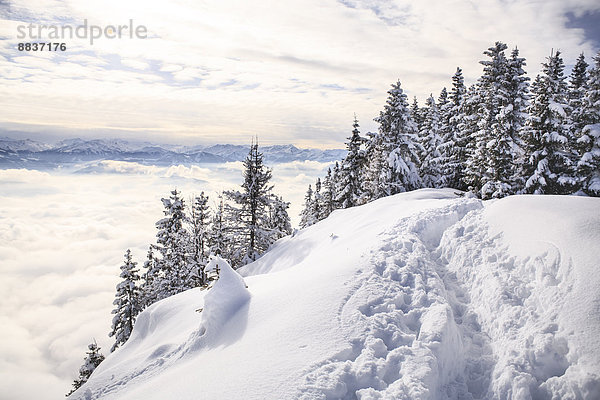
(287, 71)
(62, 240)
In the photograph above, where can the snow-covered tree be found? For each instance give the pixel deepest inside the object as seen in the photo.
(397, 146)
(199, 221)
(279, 219)
(504, 144)
(550, 165)
(128, 302)
(430, 140)
(328, 195)
(147, 288)
(91, 362)
(588, 143)
(307, 216)
(219, 236)
(577, 91)
(349, 188)
(251, 210)
(453, 146)
(173, 272)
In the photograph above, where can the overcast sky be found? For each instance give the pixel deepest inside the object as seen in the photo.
(287, 71)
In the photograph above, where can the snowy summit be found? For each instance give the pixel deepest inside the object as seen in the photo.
(421, 295)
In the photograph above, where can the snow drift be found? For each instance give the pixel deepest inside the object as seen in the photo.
(423, 295)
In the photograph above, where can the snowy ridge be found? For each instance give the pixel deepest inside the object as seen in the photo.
(422, 295)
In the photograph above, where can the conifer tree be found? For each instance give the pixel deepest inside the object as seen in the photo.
(397, 145)
(173, 244)
(504, 144)
(251, 210)
(469, 138)
(279, 219)
(199, 220)
(307, 217)
(91, 362)
(588, 165)
(577, 92)
(453, 144)
(328, 195)
(148, 287)
(349, 188)
(219, 240)
(550, 164)
(430, 141)
(128, 302)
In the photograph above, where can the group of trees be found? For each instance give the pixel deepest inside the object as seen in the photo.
(239, 227)
(500, 136)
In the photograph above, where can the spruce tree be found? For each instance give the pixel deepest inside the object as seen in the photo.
(199, 221)
(173, 244)
(550, 165)
(504, 144)
(219, 237)
(91, 362)
(307, 217)
(588, 165)
(349, 188)
(279, 219)
(128, 302)
(577, 91)
(397, 145)
(148, 287)
(430, 141)
(453, 144)
(251, 210)
(328, 195)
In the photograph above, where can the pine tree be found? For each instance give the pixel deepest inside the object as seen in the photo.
(504, 144)
(307, 217)
(430, 140)
(219, 239)
(349, 188)
(128, 302)
(514, 115)
(254, 236)
(173, 244)
(148, 287)
(469, 138)
(279, 219)
(453, 144)
(328, 195)
(550, 164)
(577, 91)
(588, 165)
(91, 362)
(397, 145)
(199, 220)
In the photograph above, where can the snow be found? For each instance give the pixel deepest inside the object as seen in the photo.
(424, 295)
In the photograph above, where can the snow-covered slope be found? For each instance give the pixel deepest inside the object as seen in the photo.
(422, 295)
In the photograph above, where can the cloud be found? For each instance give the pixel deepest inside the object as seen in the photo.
(219, 71)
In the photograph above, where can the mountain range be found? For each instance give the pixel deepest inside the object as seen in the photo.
(27, 153)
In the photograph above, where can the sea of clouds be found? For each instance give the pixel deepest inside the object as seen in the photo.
(62, 239)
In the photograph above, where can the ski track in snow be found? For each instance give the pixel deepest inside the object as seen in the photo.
(440, 310)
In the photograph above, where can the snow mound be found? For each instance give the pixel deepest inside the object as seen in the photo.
(221, 304)
(422, 295)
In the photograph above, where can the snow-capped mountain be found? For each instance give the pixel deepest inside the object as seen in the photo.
(30, 154)
(422, 295)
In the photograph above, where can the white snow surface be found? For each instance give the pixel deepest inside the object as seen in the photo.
(422, 295)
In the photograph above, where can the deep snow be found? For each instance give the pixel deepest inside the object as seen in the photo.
(423, 295)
